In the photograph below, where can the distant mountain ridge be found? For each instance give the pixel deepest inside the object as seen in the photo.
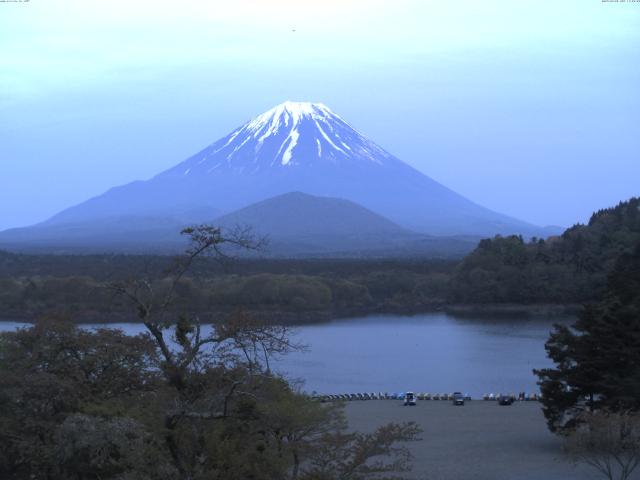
(294, 224)
(294, 147)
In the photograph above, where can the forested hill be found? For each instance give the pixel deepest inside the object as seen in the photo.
(571, 268)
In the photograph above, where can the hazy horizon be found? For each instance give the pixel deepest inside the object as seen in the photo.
(529, 109)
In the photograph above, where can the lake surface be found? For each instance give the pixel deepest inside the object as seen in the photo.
(425, 353)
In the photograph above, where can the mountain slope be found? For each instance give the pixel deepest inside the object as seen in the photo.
(300, 224)
(299, 147)
(298, 214)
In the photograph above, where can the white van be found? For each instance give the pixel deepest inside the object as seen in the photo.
(410, 399)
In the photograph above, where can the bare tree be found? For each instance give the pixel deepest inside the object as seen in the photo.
(207, 368)
(221, 376)
(607, 442)
(340, 455)
(152, 303)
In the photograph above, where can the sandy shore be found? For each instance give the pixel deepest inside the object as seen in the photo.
(479, 441)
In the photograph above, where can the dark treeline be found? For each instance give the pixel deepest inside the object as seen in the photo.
(118, 266)
(292, 290)
(571, 268)
(568, 269)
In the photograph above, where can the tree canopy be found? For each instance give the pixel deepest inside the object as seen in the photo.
(183, 401)
(598, 358)
(571, 268)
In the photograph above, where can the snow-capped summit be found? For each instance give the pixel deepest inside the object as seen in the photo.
(293, 111)
(288, 135)
(296, 147)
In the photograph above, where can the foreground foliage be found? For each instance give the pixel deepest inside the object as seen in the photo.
(607, 442)
(182, 401)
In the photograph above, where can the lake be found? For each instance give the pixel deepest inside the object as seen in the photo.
(432, 352)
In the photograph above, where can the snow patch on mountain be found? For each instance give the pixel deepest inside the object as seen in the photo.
(292, 134)
(293, 140)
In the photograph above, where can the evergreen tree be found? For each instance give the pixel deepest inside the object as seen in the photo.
(598, 358)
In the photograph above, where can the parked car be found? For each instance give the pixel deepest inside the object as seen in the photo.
(505, 400)
(410, 399)
(457, 398)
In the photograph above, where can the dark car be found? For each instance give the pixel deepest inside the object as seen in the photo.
(457, 398)
(505, 400)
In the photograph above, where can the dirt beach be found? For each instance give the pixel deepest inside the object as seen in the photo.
(480, 440)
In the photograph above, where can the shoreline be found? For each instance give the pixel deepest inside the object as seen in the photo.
(505, 309)
(315, 317)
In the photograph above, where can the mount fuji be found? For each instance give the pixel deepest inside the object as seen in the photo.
(294, 147)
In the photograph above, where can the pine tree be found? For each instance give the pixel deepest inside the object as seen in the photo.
(598, 358)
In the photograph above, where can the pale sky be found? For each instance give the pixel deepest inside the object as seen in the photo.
(531, 108)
